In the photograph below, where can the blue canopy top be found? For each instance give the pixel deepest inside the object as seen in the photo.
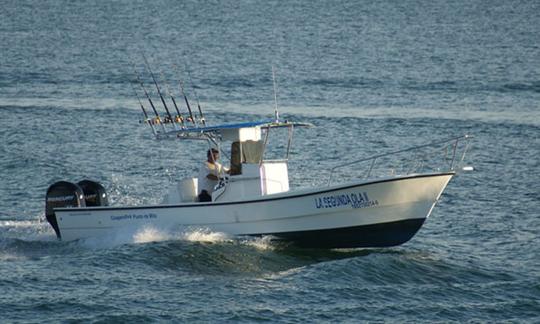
(269, 123)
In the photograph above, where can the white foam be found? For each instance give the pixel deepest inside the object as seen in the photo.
(204, 235)
(17, 224)
(150, 234)
(263, 243)
(6, 257)
(285, 273)
(125, 235)
(28, 230)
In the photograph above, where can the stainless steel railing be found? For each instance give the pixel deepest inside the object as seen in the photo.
(446, 150)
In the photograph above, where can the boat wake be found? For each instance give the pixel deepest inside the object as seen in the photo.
(205, 236)
(37, 231)
(189, 235)
(187, 250)
(191, 251)
(150, 234)
(31, 230)
(27, 239)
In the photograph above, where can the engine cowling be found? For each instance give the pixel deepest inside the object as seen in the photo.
(62, 194)
(94, 193)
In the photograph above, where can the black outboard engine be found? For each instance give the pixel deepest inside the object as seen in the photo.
(94, 193)
(62, 194)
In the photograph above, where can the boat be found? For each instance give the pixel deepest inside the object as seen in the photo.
(254, 198)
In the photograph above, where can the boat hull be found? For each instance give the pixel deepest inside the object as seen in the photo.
(377, 213)
(374, 235)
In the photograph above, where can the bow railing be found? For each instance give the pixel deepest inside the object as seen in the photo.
(438, 156)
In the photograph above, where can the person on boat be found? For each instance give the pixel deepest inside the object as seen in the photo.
(209, 175)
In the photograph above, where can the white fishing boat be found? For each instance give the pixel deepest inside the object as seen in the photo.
(254, 197)
(255, 200)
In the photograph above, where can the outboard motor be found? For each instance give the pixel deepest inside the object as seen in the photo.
(94, 193)
(62, 194)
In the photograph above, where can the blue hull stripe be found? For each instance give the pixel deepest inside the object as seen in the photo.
(376, 235)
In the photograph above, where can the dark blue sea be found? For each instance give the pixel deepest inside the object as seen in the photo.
(373, 76)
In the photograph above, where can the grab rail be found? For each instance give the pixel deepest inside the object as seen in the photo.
(454, 140)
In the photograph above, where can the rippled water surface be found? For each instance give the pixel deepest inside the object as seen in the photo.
(372, 76)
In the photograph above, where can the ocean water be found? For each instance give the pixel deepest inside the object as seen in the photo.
(372, 76)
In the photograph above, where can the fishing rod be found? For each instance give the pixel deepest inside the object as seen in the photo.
(179, 117)
(197, 98)
(186, 99)
(147, 120)
(187, 103)
(157, 87)
(158, 119)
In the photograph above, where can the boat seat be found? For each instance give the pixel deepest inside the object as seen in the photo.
(245, 152)
(182, 191)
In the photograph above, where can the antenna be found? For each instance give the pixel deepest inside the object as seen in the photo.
(276, 112)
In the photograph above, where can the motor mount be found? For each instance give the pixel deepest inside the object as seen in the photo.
(94, 193)
(62, 194)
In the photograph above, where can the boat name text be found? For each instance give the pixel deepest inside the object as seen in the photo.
(133, 216)
(355, 200)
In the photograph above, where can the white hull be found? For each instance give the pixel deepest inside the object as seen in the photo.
(383, 212)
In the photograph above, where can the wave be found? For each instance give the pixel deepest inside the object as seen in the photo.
(236, 82)
(344, 82)
(30, 230)
(533, 86)
(465, 86)
(452, 86)
(185, 250)
(200, 253)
